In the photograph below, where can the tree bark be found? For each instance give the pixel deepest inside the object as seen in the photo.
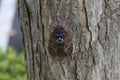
(95, 25)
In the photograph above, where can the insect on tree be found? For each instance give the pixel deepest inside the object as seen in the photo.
(60, 40)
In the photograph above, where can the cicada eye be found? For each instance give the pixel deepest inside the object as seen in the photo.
(62, 35)
(56, 35)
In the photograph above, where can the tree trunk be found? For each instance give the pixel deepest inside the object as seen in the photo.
(95, 25)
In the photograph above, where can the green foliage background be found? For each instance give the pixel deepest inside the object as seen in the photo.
(12, 65)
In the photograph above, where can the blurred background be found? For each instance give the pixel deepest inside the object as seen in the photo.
(12, 63)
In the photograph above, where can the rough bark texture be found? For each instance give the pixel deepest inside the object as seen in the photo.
(95, 25)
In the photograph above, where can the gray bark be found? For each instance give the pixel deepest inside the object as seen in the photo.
(95, 25)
